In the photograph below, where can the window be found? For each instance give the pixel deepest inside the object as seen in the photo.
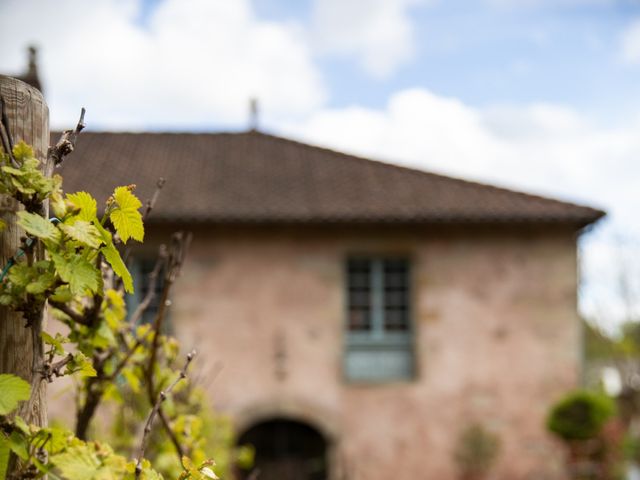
(140, 269)
(379, 342)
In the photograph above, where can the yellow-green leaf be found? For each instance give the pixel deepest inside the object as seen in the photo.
(22, 151)
(4, 456)
(82, 365)
(14, 390)
(126, 217)
(78, 273)
(38, 226)
(79, 462)
(18, 444)
(85, 203)
(112, 256)
(84, 232)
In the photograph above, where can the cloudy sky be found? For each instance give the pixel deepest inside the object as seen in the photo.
(537, 95)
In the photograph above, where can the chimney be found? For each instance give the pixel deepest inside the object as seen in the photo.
(31, 75)
(253, 114)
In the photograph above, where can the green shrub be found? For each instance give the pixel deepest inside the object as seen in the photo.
(580, 415)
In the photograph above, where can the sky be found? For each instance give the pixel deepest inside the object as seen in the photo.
(536, 95)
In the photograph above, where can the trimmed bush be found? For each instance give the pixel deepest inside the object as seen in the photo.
(580, 415)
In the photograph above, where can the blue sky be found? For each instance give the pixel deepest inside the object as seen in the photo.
(536, 95)
(505, 54)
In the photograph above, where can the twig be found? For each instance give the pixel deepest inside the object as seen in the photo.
(68, 311)
(127, 357)
(177, 252)
(156, 409)
(51, 370)
(152, 202)
(67, 142)
(151, 292)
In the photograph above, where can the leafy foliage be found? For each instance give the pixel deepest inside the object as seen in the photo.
(580, 415)
(111, 358)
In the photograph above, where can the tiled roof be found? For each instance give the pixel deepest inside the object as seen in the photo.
(253, 177)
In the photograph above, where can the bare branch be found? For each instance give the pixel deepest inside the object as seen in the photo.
(127, 357)
(67, 142)
(68, 311)
(162, 396)
(152, 202)
(50, 370)
(151, 292)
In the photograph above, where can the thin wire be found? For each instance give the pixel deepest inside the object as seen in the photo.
(12, 261)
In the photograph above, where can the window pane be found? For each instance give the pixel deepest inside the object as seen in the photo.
(359, 293)
(396, 295)
(359, 319)
(395, 298)
(396, 319)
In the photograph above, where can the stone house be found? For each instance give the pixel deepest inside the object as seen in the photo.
(363, 314)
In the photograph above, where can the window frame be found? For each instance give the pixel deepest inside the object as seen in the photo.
(378, 338)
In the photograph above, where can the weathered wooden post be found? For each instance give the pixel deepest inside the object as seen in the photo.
(27, 118)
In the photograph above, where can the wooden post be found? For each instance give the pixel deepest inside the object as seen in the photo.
(28, 119)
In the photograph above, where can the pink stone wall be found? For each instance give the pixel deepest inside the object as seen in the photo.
(497, 340)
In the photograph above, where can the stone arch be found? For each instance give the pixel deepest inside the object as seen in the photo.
(296, 415)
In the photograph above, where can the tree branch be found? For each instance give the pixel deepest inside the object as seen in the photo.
(151, 292)
(162, 396)
(69, 312)
(152, 202)
(67, 142)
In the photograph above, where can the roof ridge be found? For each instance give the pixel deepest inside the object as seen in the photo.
(441, 176)
(337, 186)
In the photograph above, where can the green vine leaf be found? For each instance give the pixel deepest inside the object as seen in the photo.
(82, 365)
(38, 226)
(5, 451)
(79, 462)
(125, 216)
(19, 445)
(14, 390)
(41, 284)
(85, 203)
(22, 151)
(78, 273)
(112, 256)
(55, 342)
(83, 232)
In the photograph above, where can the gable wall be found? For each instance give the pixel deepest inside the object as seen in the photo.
(497, 340)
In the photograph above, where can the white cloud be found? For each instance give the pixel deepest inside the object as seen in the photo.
(544, 148)
(630, 43)
(379, 33)
(194, 62)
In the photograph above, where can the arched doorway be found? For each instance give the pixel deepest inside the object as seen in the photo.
(286, 450)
